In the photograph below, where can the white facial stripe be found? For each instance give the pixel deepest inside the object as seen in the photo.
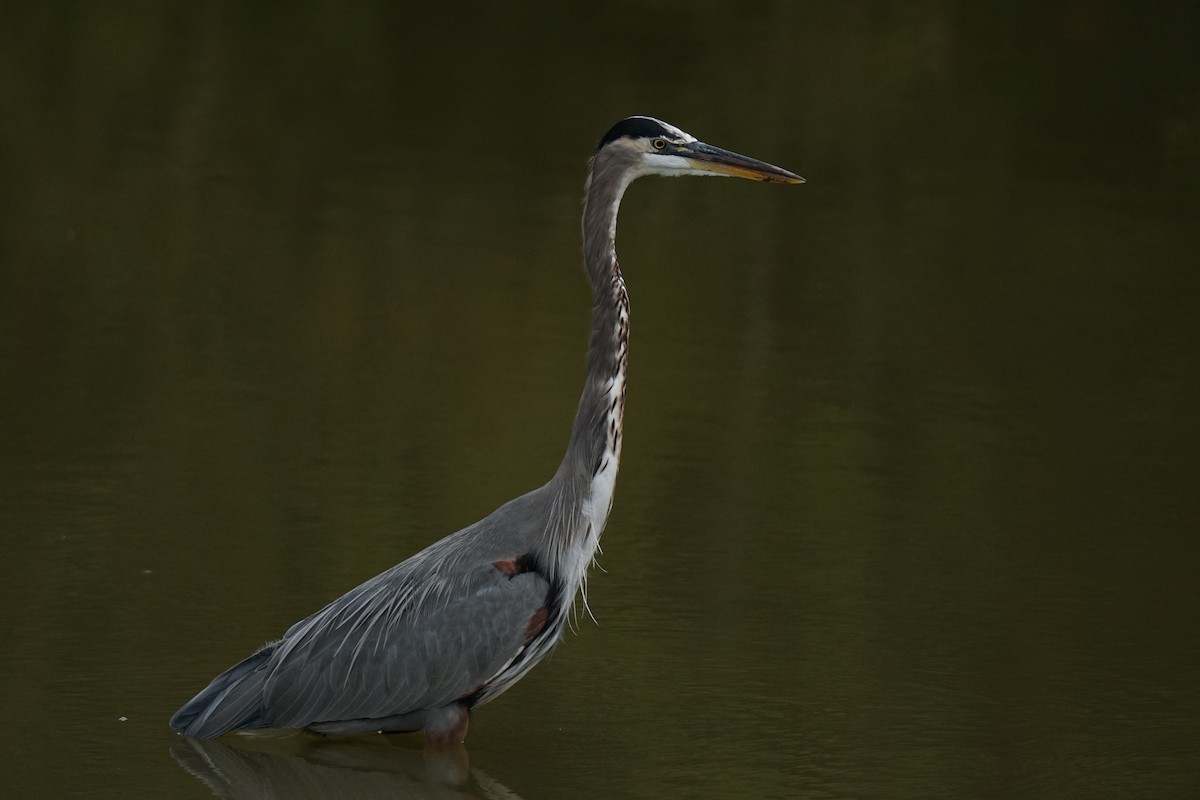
(668, 163)
(654, 164)
(683, 135)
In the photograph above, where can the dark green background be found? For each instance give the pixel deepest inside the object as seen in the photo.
(909, 501)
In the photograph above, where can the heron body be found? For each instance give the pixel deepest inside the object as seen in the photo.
(420, 645)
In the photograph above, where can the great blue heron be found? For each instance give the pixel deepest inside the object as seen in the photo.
(418, 646)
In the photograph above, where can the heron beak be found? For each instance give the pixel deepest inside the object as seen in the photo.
(707, 158)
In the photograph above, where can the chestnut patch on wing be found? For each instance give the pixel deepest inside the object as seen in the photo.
(517, 565)
(509, 566)
(536, 623)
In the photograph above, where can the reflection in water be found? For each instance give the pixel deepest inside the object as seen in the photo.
(304, 766)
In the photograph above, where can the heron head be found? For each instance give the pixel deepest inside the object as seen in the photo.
(652, 147)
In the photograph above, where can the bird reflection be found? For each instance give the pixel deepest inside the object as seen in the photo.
(305, 767)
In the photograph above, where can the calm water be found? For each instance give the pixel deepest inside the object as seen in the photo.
(909, 503)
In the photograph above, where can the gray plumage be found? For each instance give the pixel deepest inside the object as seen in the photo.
(418, 646)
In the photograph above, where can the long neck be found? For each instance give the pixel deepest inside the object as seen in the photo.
(588, 472)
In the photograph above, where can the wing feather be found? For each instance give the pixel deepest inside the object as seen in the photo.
(401, 642)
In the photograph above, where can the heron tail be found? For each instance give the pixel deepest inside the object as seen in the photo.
(233, 700)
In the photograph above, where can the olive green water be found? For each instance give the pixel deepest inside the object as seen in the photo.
(910, 500)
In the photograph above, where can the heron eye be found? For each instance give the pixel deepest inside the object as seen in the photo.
(659, 144)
